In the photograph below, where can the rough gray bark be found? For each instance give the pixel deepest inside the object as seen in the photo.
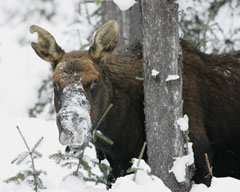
(135, 23)
(163, 100)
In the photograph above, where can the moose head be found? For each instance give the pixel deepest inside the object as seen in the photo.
(80, 90)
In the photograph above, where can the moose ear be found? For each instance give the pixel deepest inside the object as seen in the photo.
(105, 40)
(46, 46)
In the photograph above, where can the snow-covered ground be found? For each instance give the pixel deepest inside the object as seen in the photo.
(21, 76)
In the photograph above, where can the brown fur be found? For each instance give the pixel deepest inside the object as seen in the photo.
(211, 95)
(47, 47)
(69, 68)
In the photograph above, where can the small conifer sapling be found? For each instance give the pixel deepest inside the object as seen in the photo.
(30, 175)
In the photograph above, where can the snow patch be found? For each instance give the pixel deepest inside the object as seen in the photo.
(105, 162)
(172, 77)
(155, 73)
(124, 4)
(183, 123)
(144, 180)
(185, 4)
(74, 184)
(124, 184)
(141, 164)
(199, 188)
(181, 163)
(226, 184)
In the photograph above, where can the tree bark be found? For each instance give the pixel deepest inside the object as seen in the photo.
(135, 23)
(163, 99)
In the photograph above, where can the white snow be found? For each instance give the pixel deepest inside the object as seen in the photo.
(226, 184)
(124, 4)
(144, 181)
(141, 165)
(154, 73)
(172, 77)
(183, 123)
(126, 184)
(181, 163)
(222, 19)
(185, 4)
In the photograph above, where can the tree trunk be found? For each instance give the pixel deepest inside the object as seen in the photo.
(135, 23)
(163, 99)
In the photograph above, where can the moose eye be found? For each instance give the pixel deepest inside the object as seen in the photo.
(93, 85)
(56, 87)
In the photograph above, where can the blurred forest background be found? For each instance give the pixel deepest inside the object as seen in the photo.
(211, 25)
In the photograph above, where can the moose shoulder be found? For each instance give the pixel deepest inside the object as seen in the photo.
(87, 82)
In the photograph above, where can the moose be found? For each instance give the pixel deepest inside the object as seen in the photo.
(86, 82)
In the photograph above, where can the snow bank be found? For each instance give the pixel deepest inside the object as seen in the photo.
(126, 184)
(226, 184)
(144, 181)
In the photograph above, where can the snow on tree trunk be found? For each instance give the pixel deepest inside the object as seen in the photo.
(163, 95)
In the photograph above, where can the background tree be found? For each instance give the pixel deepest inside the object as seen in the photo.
(163, 98)
(130, 22)
(200, 25)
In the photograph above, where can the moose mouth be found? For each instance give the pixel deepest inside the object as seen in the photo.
(73, 118)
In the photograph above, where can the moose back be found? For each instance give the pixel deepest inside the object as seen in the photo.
(87, 82)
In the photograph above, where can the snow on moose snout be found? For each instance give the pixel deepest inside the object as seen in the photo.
(73, 118)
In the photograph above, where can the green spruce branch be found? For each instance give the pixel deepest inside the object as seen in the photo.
(31, 175)
(78, 163)
(97, 134)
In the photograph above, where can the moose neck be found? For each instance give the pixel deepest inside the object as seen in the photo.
(125, 121)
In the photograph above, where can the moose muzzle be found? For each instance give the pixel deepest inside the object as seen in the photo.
(73, 118)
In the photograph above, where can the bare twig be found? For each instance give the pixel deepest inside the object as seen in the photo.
(87, 14)
(24, 140)
(105, 113)
(139, 78)
(208, 163)
(79, 38)
(98, 134)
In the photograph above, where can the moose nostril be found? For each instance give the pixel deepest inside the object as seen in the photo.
(67, 149)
